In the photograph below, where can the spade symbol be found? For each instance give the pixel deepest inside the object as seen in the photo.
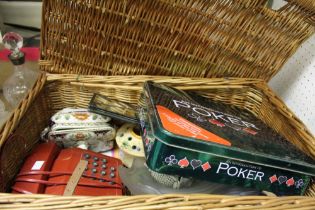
(282, 179)
(195, 163)
(183, 163)
(290, 182)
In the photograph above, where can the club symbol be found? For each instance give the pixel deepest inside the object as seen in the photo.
(299, 183)
(199, 119)
(149, 147)
(171, 160)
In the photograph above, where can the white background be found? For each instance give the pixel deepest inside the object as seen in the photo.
(295, 83)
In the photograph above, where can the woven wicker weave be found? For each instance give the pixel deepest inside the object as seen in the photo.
(213, 38)
(192, 38)
(163, 202)
(76, 91)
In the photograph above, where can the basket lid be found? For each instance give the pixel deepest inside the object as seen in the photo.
(173, 38)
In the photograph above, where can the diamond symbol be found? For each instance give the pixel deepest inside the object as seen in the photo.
(290, 182)
(273, 178)
(206, 166)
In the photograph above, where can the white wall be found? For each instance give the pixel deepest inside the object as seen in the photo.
(21, 13)
(295, 83)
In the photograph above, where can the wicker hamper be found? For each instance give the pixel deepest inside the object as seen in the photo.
(241, 44)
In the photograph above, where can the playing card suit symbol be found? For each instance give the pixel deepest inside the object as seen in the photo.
(299, 183)
(183, 163)
(273, 179)
(250, 131)
(195, 163)
(217, 123)
(149, 147)
(290, 182)
(146, 141)
(171, 160)
(282, 179)
(206, 166)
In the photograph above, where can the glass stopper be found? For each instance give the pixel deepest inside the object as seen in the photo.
(13, 42)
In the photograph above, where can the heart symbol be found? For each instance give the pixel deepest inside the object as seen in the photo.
(195, 163)
(282, 179)
(183, 163)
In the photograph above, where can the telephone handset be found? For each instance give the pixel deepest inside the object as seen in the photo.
(48, 169)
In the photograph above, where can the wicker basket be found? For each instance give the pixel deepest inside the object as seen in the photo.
(214, 38)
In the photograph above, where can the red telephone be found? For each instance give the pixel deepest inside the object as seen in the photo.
(48, 169)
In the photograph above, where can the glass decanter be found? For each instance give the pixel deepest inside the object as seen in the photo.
(16, 87)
